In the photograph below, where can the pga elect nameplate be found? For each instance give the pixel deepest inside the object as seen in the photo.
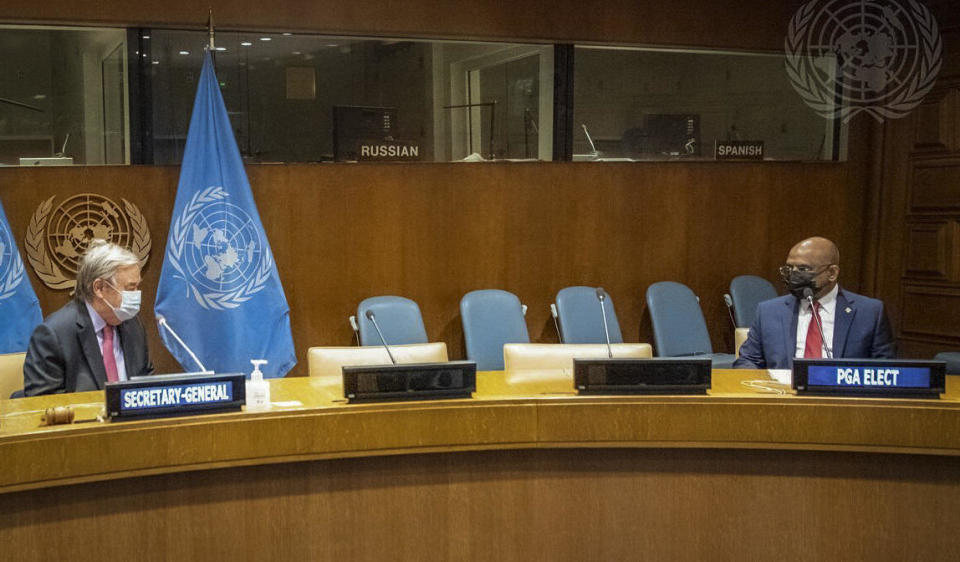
(877, 378)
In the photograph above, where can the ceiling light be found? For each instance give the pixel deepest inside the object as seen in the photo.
(221, 48)
(265, 38)
(184, 52)
(245, 44)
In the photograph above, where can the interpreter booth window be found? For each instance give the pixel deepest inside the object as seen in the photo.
(63, 96)
(316, 98)
(656, 104)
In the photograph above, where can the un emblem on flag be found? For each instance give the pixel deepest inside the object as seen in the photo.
(11, 266)
(218, 249)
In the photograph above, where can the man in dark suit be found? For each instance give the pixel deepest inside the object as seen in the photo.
(853, 326)
(96, 337)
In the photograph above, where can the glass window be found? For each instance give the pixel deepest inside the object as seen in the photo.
(63, 96)
(655, 104)
(314, 98)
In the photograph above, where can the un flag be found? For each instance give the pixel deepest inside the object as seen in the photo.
(219, 287)
(19, 308)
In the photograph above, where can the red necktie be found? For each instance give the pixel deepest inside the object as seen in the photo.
(814, 347)
(109, 361)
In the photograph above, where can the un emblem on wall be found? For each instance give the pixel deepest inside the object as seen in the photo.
(11, 266)
(219, 251)
(57, 238)
(877, 56)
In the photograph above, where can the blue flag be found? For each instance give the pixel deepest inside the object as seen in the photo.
(19, 307)
(219, 288)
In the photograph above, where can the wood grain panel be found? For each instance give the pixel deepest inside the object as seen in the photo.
(509, 505)
(720, 23)
(934, 186)
(931, 250)
(938, 123)
(931, 311)
(433, 232)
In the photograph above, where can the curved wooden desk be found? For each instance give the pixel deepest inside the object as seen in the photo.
(529, 470)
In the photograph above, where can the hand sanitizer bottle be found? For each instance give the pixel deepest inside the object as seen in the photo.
(258, 390)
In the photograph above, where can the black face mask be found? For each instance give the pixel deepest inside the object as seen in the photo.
(797, 281)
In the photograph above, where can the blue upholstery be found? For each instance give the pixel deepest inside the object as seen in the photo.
(490, 319)
(578, 312)
(679, 329)
(398, 317)
(953, 361)
(747, 291)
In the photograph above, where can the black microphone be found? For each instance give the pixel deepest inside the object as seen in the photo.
(371, 318)
(808, 296)
(602, 296)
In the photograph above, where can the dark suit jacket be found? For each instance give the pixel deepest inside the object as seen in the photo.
(63, 355)
(860, 330)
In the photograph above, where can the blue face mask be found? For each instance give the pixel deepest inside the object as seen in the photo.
(129, 303)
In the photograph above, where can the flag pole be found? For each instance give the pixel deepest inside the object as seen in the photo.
(210, 28)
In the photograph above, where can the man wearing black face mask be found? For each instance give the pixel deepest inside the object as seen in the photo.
(95, 338)
(850, 325)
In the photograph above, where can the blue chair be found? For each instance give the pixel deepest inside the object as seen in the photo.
(399, 319)
(746, 292)
(490, 319)
(679, 329)
(579, 318)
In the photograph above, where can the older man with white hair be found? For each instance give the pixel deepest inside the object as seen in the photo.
(95, 338)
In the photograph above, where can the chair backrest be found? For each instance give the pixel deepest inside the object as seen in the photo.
(398, 317)
(490, 319)
(554, 356)
(578, 313)
(747, 291)
(678, 324)
(11, 373)
(328, 362)
(740, 336)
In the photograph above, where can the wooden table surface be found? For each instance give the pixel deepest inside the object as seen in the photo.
(310, 420)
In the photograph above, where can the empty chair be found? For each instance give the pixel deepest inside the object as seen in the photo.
(679, 329)
(579, 317)
(553, 356)
(11, 374)
(398, 317)
(746, 292)
(490, 319)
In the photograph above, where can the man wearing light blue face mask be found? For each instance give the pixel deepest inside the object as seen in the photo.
(95, 338)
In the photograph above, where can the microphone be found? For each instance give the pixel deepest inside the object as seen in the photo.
(371, 318)
(728, 300)
(356, 329)
(553, 312)
(602, 296)
(808, 296)
(163, 322)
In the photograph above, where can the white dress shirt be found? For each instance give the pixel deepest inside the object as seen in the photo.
(98, 324)
(828, 312)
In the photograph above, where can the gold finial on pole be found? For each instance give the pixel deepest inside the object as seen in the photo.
(210, 27)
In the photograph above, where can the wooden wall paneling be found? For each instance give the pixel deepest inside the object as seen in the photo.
(932, 311)
(931, 250)
(934, 186)
(433, 232)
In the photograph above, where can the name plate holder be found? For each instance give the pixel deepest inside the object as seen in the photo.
(182, 394)
(873, 378)
(409, 381)
(642, 376)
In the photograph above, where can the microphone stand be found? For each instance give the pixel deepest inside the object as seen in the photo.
(808, 294)
(601, 295)
(371, 318)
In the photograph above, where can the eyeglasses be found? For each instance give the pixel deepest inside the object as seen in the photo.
(786, 270)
